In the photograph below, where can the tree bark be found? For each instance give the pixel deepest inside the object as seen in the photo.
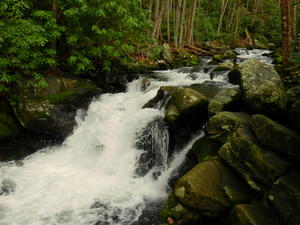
(286, 30)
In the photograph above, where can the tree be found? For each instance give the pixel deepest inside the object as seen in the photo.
(286, 30)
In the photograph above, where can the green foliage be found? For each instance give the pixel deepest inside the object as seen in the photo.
(295, 60)
(81, 34)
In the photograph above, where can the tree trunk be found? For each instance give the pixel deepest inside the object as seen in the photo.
(177, 23)
(286, 30)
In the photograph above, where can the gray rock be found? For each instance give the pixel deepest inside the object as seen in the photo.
(262, 87)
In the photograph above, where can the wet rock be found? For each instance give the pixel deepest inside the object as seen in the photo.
(259, 167)
(262, 87)
(204, 149)
(225, 66)
(186, 99)
(253, 214)
(153, 140)
(222, 125)
(284, 197)
(161, 98)
(52, 110)
(226, 99)
(209, 88)
(211, 188)
(179, 212)
(294, 114)
(276, 136)
(7, 186)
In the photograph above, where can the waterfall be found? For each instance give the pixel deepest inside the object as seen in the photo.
(98, 175)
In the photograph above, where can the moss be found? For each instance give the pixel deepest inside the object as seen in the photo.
(60, 97)
(8, 126)
(204, 148)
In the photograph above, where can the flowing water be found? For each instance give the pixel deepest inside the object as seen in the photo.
(91, 179)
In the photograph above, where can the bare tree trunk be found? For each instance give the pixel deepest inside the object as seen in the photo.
(168, 20)
(182, 21)
(223, 10)
(286, 30)
(191, 18)
(177, 23)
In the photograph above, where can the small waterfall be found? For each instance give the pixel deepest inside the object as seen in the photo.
(113, 165)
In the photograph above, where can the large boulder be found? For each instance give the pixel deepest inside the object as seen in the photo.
(52, 109)
(284, 196)
(259, 167)
(9, 126)
(262, 87)
(226, 99)
(222, 125)
(294, 114)
(276, 136)
(253, 214)
(187, 99)
(210, 188)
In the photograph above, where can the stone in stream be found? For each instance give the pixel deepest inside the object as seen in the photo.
(52, 109)
(276, 136)
(226, 99)
(284, 197)
(211, 189)
(262, 88)
(222, 125)
(7, 186)
(253, 214)
(259, 167)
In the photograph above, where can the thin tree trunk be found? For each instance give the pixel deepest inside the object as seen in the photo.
(286, 31)
(168, 21)
(223, 10)
(182, 21)
(177, 23)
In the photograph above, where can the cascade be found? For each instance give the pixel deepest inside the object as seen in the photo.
(100, 174)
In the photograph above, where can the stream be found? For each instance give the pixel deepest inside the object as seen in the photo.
(91, 178)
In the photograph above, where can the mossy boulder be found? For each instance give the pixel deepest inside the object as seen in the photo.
(178, 212)
(222, 125)
(204, 149)
(9, 126)
(276, 136)
(160, 99)
(294, 114)
(210, 188)
(186, 99)
(262, 88)
(259, 167)
(209, 88)
(284, 197)
(253, 214)
(227, 65)
(226, 99)
(52, 109)
(293, 94)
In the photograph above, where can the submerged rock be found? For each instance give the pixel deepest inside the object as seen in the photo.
(52, 109)
(276, 136)
(7, 186)
(284, 196)
(210, 188)
(253, 214)
(262, 87)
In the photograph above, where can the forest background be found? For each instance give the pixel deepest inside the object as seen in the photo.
(80, 36)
